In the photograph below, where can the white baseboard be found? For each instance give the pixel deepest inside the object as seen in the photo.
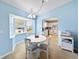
(6, 54)
(14, 45)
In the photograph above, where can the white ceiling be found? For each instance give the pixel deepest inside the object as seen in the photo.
(27, 5)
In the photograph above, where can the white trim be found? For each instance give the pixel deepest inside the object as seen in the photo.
(11, 20)
(49, 19)
(20, 17)
(12, 35)
(13, 44)
(6, 54)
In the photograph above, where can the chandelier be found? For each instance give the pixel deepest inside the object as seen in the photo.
(34, 14)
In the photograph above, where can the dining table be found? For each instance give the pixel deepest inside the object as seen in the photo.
(37, 39)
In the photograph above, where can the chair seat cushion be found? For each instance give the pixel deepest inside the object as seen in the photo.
(32, 47)
(43, 46)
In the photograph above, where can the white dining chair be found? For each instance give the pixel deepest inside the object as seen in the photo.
(30, 48)
(44, 46)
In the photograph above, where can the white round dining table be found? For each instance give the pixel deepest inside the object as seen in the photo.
(37, 40)
(41, 38)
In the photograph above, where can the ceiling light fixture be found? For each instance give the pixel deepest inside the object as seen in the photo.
(34, 14)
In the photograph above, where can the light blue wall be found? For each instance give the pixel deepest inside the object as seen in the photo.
(5, 10)
(67, 16)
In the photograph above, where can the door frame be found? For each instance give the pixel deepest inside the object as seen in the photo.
(49, 19)
(12, 23)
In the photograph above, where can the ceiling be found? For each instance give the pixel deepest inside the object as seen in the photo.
(27, 5)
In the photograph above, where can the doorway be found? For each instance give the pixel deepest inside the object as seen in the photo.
(18, 28)
(50, 27)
